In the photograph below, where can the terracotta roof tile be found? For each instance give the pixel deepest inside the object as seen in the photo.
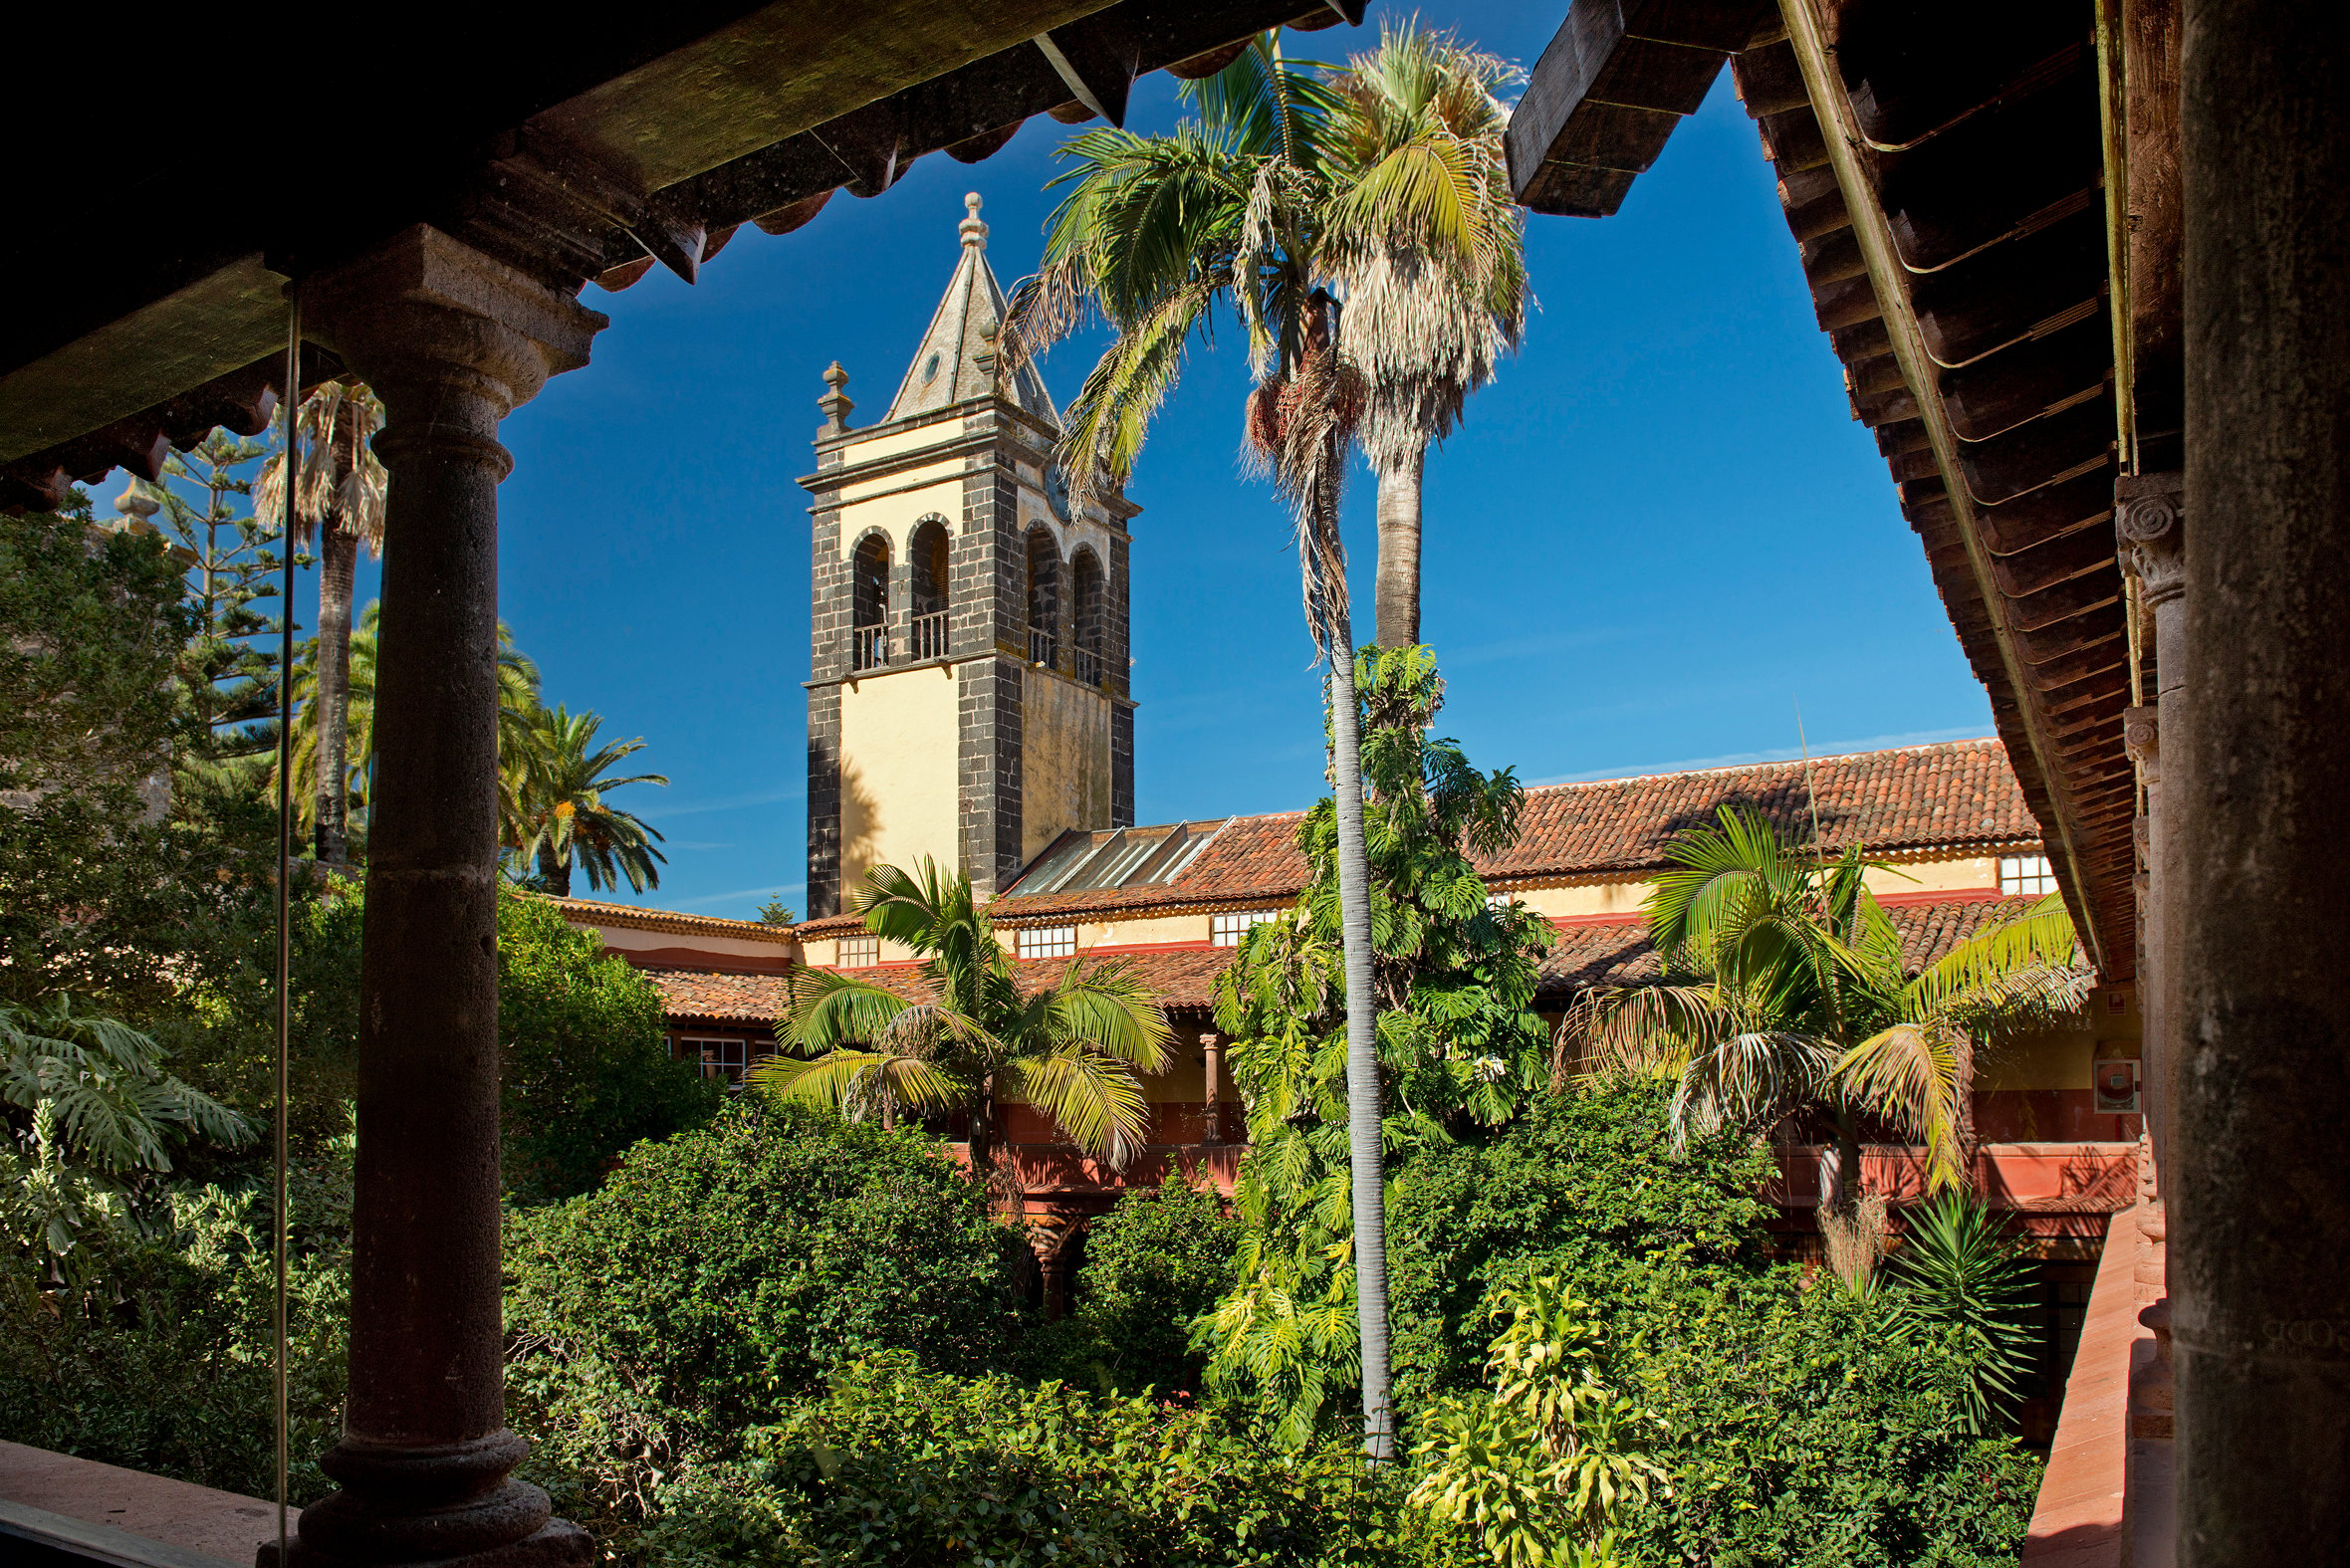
(719, 997)
(1585, 953)
(1958, 797)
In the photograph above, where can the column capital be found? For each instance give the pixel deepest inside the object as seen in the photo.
(2149, 512)
(448, 334)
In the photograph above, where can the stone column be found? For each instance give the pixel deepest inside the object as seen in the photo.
(451, 339)
(2261, 777)
(2149, 522)
(1212, 1058)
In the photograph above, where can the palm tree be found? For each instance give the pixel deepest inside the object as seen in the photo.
(1430, 251)
(1073, 1050)
(338, 490)
(518, 699)
(552, 787)
(1233, 206)
(1785, 988)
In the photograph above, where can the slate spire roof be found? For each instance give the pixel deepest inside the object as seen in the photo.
(957, 360)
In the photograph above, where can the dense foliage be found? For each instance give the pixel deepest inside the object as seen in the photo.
(160, 1360)
(1460, 1046)
(587, 1070)
(894, 1465)
(719, 1274)
(108, 879)
(1155, 1264)
(1800, 1426)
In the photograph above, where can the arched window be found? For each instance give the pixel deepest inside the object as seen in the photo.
(1086, 604)
(868, 603)
(1043, 598)
(927, 554)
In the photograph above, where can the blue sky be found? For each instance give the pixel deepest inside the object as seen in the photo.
(1658, 532)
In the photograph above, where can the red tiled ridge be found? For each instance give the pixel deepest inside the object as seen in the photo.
(593, 912)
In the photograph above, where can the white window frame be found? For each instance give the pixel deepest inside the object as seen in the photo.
(2027, 875)
(868, 952)
(1042, 942)
(1227, 928)
(711, 1054)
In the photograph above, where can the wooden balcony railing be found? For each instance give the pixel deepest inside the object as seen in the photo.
(868, 647)
(926, 637)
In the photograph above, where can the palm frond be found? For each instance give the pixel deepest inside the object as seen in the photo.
(2033, 958)
(1091, 1098)
(1909, 1074)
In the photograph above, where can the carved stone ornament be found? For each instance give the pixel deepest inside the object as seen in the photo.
(2142, 737)
(2149, 515)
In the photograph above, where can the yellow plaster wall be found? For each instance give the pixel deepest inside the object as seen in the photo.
(942, 497)
(1064, 759)
(2062, 1057)
(898, 756)
(1600, 898)
(1129, 932)
(897, 441)
(1935, 876)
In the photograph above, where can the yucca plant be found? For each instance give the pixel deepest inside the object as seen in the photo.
(971, 1039)
(1959, 1272)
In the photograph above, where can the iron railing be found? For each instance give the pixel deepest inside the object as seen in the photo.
(1088, 667)
(868, 647)
(1041, 648)
(926, 637)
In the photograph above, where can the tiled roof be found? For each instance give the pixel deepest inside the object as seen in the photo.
(591, 912)
(1957, 798)
(705, 994)
(1584, 953)
(1616, 952)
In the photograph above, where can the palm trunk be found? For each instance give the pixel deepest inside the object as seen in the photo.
(1399, 554)
(1365, 1134)
(338, 559)
(554, 872)
(980, 1142)
(1849, 1188)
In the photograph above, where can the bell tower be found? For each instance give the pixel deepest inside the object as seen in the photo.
(968, 696)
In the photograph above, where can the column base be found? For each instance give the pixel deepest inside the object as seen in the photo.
(557, 1544)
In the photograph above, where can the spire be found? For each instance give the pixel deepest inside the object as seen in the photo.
(957, 360)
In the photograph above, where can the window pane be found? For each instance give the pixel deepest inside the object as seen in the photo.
(1225, 930)
(1049, 942)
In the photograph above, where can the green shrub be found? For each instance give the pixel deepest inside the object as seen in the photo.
(896, 1465)
(1154, 1264)
(586, 1070)
(718, 1275)
(165, 1365)
(1805, 1432)
(1801, 1427)
(1587, 1186)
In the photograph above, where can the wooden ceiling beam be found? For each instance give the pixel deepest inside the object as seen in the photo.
(1606, 94)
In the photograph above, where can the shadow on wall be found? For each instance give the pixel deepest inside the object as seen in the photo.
(860, 831)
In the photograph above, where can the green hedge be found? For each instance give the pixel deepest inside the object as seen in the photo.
(894, 1465)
